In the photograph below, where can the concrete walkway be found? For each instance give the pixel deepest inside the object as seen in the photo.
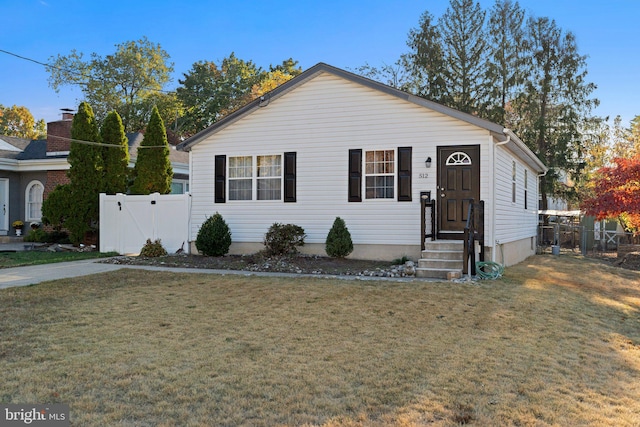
(34, 274)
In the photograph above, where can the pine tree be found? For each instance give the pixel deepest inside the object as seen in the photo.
(425, 62)
(85, 175)
(555, 102)
(465, 59)
(507, 65)
(153, 171)
(116, 158)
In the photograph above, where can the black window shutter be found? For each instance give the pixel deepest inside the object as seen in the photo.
(355, 175)
(220, 171)
(404, 174)
(290, 177)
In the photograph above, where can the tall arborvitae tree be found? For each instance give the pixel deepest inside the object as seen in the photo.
(425, 62)
(556, 101)
(507, 56)
(465, 56)
(85, 175)
(153, 171)
(115, 157)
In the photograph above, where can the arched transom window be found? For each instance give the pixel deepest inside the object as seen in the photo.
(458, 158)
(33, 208)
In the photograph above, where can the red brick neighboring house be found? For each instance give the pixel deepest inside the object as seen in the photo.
(30, 170)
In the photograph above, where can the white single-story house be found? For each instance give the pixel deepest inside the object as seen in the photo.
(330, 143)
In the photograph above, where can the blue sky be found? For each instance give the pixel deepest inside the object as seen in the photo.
(342, 33)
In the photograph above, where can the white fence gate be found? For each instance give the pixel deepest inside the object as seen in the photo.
(126, 222)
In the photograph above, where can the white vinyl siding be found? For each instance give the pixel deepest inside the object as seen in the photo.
(321, 120)
(513, 221)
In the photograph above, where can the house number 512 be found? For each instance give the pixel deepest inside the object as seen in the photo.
(423, 175)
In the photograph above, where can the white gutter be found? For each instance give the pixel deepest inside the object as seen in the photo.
(507, 132)
(34, 165)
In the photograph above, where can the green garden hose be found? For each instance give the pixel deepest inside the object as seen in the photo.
(489, 270)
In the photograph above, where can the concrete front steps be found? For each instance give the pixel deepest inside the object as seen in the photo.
(11, 239)
(441, 259)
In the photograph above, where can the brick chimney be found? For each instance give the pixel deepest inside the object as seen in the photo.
(58, 130)
(57, 146)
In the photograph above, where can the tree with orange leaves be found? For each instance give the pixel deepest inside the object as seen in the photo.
(616, 193)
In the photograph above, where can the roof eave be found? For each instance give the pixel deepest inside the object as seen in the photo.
(495, 129)
(516, 145)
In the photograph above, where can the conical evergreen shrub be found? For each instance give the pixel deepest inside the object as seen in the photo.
(214, 237)
(153, 171)
(339, 243)
(115, 155)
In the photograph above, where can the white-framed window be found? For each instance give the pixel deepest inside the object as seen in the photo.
(255, 177)
(269, 177)
(526, 188)
(33, 198)
(240, 178)
(179, 186)
(458, 158)
(379, 171)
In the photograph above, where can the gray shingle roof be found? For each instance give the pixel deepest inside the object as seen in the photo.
(12, 147)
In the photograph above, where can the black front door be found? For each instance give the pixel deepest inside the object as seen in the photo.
(458, 184)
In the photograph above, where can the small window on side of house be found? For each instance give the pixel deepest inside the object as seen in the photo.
(526, 188)
(513, 182)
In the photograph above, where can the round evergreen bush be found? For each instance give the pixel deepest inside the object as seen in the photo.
(338, 243)
(214, 237)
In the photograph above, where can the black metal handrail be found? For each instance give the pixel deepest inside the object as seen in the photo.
(473, 232)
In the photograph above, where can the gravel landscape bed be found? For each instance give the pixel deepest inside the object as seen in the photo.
(298, 264)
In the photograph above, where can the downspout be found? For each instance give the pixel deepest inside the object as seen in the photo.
(494, 210)
(190, 201)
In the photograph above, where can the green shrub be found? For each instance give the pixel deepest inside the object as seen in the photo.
(282, 239)
(214, 237)
(401, 261)
(153, 249)
(339, 243)
(37, 235)
(57, 236)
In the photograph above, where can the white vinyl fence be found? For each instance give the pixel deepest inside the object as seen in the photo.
(126, 222)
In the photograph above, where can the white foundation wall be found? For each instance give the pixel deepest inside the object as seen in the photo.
(513, 252)
(369, 252)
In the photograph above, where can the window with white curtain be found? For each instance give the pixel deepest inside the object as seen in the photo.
(33, 208)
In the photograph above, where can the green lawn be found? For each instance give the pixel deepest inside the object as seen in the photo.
(21, 258)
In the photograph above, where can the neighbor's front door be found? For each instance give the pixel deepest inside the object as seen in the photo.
(458, 183)
(4, 206)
